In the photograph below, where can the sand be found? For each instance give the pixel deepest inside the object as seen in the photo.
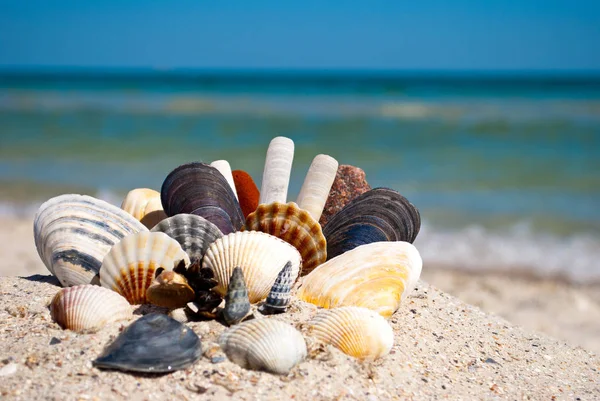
(444, 347)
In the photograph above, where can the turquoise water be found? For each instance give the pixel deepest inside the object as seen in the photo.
(505, 171)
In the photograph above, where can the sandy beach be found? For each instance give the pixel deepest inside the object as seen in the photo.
(524, 338)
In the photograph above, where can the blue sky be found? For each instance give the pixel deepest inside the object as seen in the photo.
(413, 35)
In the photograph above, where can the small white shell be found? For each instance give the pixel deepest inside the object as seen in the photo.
(278, 167)
(358, 332)
(264, 344)
(130, 266)
(73, 233)
(259, 255)
(144, 204)
(317, 184)
(88, 308)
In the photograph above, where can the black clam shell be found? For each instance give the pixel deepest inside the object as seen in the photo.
(380, 214)
(154, 343)
(200, 189)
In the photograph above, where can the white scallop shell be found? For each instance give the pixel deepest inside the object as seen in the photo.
(317, 184)
(375, 276)
(73, 233)
(260, 256)
(130, 266)
(278, 167)
(358, 332)
(144, 204)
(264, 344)
(88, 308)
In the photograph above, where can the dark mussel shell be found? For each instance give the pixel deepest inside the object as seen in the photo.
(154, 343)
(200, 189)
(380, 214)
(194, 233)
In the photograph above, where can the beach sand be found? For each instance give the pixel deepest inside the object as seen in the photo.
(444, 347)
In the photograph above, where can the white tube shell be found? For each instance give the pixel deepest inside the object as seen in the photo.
(317, 184)
(278, 167)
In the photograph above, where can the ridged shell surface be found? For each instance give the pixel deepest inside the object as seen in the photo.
(375, 276)
(144, 204)
(194, 233)
(198, 188)
(130, 266)
(358, 332)
(281, 293)
(73, 233)
(293, 225)
(88, 308)
(276, 174)
(237, 305)
(259, 255)
(380, 214)
(264, 344)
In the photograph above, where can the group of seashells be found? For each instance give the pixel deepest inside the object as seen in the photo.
(210, 245)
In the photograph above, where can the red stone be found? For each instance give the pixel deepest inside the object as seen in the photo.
(247, 191)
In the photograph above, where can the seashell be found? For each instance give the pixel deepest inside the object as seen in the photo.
(375, 276)
(181, 315)
(380, 214)
(264, 344)
(293, 225)
(247, 191)
(358, 332)
(278, 166)
(237, 305)
(170, 290)
(194, 233)
(225, 169)
(88, 308)
(200, 189)
(73, 233)
(281, 293)
(130, 266)
(144, 204)
(259, 255)
(318, 181)
(152, 344)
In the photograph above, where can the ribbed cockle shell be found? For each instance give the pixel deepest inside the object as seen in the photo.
(358, 332)
(144, 204)
(130, 266)
(375, 276)
(264, 344)
(88, 308)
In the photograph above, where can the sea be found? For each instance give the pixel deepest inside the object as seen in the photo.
(504, 168)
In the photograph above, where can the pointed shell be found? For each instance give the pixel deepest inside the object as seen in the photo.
(318, 181)
(358, 332)
(246, 190)
(88, 308)
(264, 344)
(380, 214)
(375, 276)
(170, 290)
(296, 227)
(237, 305)
(281, 293)
(276, 174)
(259, 255)
(130, 266)
(194, 233)
(200, 189)
(73, 233)
(144, 204)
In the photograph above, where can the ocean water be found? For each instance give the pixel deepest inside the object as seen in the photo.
(505, 170)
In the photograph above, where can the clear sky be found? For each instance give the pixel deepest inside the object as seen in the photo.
(369, 34)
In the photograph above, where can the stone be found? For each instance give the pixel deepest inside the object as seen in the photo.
(349, 183)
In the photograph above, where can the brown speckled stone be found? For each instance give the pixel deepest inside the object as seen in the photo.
(349, 182)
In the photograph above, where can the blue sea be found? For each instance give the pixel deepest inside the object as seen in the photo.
(505, 169)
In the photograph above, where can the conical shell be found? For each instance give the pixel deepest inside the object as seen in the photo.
(88, 308)
(246, 190)
(380, 214)
(375, 276)
(259, 255)
(264, 344)
(237, 305)
(170, 290)
(225, 169)
(358, 332)
(144, 204)
(278, 167)
(296, 227)
(73, 233)
(130, 266)
(281, 293)
(318, 181)
(194, 233)
(200, 189)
